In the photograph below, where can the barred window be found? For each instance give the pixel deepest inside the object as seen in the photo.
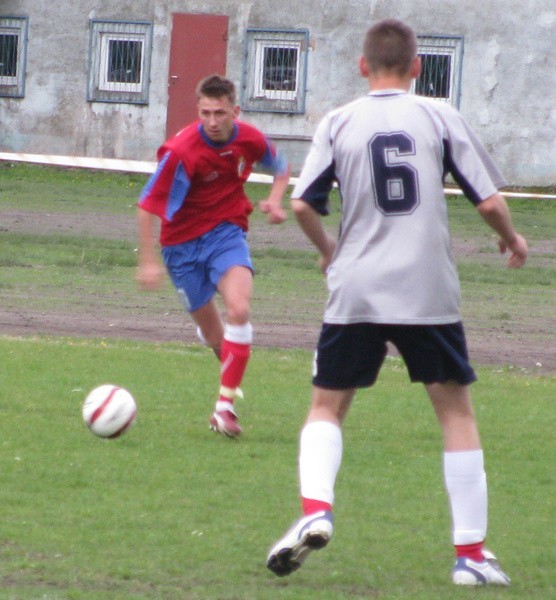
(8, 55)
(441, 65)
(119, 62)
(278, 68)
(13, 46)
(274, 72)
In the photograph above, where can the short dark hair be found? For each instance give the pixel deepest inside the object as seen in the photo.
(390, 45)
(216, 86)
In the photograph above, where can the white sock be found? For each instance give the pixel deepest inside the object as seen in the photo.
(320, 456)
(239, 334)
(466, 484)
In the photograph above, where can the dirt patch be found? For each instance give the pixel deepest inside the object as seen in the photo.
(512, 344)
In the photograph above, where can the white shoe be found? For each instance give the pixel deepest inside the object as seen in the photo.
(487, 572)
(312, 532)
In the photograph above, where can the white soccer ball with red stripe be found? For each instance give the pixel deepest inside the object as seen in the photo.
(109, 411)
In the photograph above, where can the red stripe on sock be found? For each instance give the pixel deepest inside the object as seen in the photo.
(311, 506)
(234, 359)
(472, 551)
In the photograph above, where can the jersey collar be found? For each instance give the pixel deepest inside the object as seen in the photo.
(391, 92)
(209, 142)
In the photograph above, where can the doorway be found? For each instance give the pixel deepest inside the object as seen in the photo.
(198, 48)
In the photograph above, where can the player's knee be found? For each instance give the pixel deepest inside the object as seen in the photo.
(238, 313)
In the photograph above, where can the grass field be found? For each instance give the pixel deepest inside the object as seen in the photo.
(53, 270)
(171, 511)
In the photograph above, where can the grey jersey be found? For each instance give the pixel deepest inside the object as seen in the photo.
(389, 152)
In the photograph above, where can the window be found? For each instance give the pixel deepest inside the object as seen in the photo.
(120, 66)
(275, 71)
(119, 62)
(13, 46)
(441, 63)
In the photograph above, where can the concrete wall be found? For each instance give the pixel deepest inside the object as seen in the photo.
(508, 79)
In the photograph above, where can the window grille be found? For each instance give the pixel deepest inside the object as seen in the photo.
(275, 71)
(119, 62)
(8, 55)
(13, 46)
(441, 65)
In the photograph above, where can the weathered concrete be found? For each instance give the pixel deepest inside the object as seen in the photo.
(508, 78)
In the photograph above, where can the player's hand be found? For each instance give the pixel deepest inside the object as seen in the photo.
(150, 276)
(275, 213)
(518, 249)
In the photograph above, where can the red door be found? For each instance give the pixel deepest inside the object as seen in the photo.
(197, 49)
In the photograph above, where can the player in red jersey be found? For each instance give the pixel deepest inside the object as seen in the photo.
(198, 194)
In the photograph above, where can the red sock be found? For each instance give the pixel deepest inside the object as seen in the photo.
(472, 551)
(311, 506)
(234, 358)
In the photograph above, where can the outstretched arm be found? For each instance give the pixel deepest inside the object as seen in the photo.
(496, 213)
(150, 271)
(311, 224)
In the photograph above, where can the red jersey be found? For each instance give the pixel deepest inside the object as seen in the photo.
(199, 183)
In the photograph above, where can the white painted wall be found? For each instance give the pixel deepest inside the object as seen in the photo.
(508, 80)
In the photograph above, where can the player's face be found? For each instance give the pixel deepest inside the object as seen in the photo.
(217, 117)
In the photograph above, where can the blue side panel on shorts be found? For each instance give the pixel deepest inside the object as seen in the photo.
(197, 266)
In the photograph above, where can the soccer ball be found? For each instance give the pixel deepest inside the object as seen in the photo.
(109, 411)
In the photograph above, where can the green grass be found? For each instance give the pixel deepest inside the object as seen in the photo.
(57, 271)
(48, 189)
(170, 511)
(52, 189)
(536, 218)
(63, 272)
(32, 251)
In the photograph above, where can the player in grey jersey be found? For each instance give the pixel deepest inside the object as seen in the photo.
(392, 278)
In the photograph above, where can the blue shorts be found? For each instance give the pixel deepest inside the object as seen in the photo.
(195, 267)
(350, 356)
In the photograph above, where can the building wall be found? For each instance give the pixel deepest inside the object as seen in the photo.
(508, 78)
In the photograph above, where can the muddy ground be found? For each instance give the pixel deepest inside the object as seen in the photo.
(521, 345)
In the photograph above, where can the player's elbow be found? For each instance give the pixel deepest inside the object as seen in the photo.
(492, 205)
(299, 207)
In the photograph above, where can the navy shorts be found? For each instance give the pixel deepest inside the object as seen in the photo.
(350, 356)
(195, 267)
